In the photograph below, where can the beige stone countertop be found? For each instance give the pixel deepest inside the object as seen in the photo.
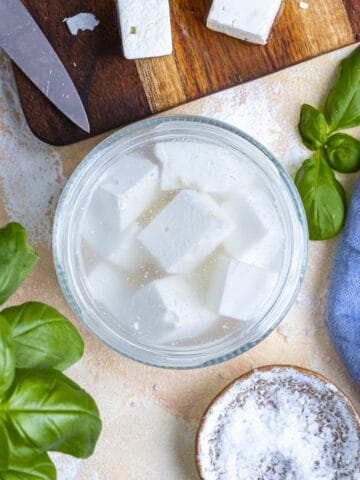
(150, 415)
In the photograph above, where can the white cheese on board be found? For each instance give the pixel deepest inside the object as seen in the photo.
(145, 28)
(186, 231)
(239, 290)
(249, 20)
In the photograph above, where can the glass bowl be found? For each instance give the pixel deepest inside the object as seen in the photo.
(67, 241)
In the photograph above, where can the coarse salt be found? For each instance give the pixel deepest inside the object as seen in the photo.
(281, 424)
(303, 5)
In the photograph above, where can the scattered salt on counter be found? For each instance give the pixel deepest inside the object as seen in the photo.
(311, 332)
(279, 425)
(287, 331)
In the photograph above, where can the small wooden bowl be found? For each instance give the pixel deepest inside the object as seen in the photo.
(353, 414)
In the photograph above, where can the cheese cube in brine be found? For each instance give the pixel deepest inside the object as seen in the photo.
(186, 231)
(145, 28)
(250, 230)
(259, 236)
(169, 308)
(125, 195)
(108, 287)
(121, 249)
(239, 290)
(249, 20)
(200, 166)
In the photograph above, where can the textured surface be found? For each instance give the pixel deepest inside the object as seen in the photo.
(150, 416)
(116, 91)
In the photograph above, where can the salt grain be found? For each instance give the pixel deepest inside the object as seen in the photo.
(279, 425)
(287, 331)
(303, 5)
(311, 332)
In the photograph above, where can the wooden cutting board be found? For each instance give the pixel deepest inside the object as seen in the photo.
(116, 91)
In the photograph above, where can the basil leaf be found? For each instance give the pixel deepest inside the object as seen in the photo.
(342, 106)
(312, 127)
(7, 356)
(343, 153)
(33, 468)
(46, 411)
(43, 337)
(17, 259)
(323, 198)
(4, 449)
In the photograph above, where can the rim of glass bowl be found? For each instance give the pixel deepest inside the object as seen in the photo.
(221, 350)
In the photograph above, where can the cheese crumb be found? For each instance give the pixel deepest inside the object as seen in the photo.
(81, 21)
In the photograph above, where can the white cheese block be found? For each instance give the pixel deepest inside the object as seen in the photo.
(200, 166)
(168, 309)
(107, 287)
(249, 228)
(186, 231)
(270, 248)
(249, 20)
(239, 290)
(128, 192)
(145, 28)
(121, 249)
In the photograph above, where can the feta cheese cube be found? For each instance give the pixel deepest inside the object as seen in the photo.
(145, 28)
(249, 20)
(168, 309)
(239, 290)
(259, 237)
(121, 249)
(200, 166)
(108, 287)
(249, 227)
(129, 191)
(186, 231)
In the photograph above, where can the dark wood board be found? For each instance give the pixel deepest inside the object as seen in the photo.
(116, 91)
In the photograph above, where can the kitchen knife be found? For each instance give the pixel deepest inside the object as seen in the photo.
(27, 46)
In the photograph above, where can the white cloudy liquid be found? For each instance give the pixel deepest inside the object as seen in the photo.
(239, 274)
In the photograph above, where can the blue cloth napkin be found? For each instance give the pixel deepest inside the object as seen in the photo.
(343, 304)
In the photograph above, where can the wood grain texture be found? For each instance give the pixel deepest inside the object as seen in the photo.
(116, 91)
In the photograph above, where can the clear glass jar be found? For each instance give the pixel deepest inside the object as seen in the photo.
(67, 240)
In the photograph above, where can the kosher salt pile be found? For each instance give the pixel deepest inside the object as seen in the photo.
(182, 240)
(280, 424)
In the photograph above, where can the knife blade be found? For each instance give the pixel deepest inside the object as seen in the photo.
(27, 46)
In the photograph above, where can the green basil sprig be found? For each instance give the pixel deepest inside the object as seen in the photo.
(343, 153)
(43, 338)
(322, 195)
(35, 468)
(342, 106)
(17, 258)
(313, 127)
(41, 409)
